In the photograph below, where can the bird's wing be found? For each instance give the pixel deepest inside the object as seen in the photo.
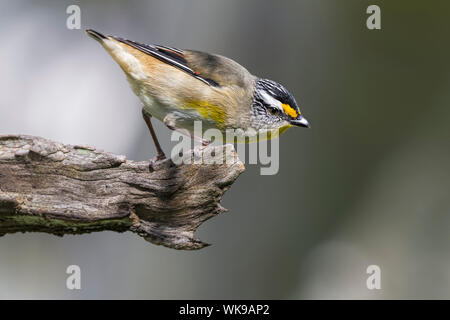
(212, 69)
(219, 69)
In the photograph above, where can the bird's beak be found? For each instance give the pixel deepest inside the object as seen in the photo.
(300, 122)
(96, 35)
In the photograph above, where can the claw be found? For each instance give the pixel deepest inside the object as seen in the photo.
(154, 160)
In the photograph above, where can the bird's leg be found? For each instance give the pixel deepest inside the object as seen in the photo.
(170, 122)
(204, 142)
(147, 120)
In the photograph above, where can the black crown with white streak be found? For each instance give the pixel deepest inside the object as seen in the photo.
(275, 90)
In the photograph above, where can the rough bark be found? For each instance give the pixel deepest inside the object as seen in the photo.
(60, 189)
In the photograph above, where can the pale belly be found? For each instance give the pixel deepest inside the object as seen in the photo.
(181, 118)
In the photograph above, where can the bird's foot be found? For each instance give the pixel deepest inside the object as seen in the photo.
(205, 142)
(155, 160)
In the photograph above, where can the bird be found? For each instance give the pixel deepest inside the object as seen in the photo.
(180, 87)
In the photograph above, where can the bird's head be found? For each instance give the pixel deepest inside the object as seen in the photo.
(274, 107)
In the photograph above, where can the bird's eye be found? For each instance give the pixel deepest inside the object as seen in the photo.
(273, 111)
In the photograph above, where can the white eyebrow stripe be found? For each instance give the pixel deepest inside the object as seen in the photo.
(272, 101)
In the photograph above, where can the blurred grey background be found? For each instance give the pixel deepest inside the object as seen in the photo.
(368, 184)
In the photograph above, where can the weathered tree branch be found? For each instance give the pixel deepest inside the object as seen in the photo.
(61, 189)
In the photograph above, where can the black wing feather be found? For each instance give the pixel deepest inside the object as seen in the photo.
(171, 56)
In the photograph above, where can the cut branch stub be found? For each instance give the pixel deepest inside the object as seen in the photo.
(50, 187)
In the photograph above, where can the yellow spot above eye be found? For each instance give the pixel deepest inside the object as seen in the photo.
(289, 110)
